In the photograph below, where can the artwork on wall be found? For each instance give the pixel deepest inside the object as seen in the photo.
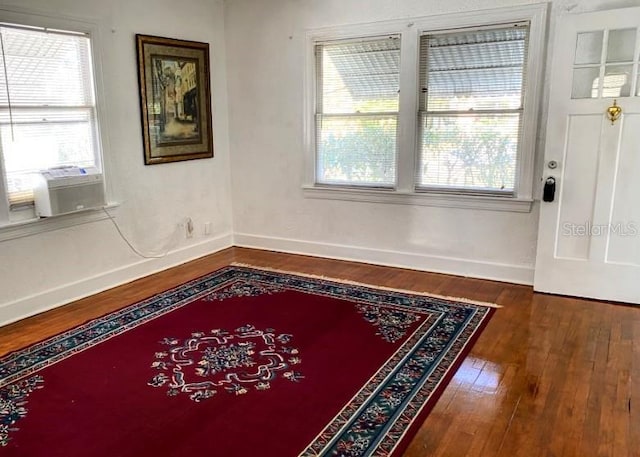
(175, 99)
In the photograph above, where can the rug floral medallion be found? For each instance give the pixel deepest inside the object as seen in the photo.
(219, 359)
(240, 362)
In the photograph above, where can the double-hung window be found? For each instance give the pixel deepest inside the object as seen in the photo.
(471, 101)
(357, 90)
(47, 108)
(454, 120)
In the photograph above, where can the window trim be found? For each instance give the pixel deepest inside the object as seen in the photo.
(34, 226)
(448, 200)
(17, 227)
(406, 191)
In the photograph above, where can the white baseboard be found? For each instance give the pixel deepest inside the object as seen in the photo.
(58, 296)
(517, 274)
(52, 298)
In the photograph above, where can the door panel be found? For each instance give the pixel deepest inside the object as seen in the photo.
(589, 237)
(624, 242)
(578, 184)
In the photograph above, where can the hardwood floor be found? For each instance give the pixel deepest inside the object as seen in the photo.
(550, 376)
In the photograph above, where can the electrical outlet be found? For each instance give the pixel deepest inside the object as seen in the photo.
(189, 228)
(207, 228)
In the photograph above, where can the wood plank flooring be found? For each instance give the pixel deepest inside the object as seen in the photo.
(550, 376)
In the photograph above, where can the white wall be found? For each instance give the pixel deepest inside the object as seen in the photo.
(263, 61)
(265, 58)
(41, 271)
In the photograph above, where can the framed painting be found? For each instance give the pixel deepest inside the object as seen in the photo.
(175, 99)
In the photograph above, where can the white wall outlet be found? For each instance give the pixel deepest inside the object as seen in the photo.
(207, 228)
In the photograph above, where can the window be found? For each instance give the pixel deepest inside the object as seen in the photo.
(615, 64)
(471, 102)
(357, 111)
(47, 107)
(439, 110)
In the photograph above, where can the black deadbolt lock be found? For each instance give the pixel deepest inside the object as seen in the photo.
(549, 192)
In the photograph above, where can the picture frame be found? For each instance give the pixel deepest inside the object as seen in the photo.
(175, 99)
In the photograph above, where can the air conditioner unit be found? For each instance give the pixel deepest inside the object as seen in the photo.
(66, 190)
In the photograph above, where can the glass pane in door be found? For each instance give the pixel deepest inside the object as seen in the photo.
(621, 45)
(617, 81)
(585, 82)
(589, 47)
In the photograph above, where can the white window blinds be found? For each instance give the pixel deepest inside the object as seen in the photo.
(47, 107)
(357, 112)
(471, 105)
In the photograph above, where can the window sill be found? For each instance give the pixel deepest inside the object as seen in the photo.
(477, 202)
(34, 226)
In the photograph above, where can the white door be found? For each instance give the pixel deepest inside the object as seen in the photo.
(589, 236)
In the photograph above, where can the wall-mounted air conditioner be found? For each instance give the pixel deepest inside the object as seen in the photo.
(66, 190)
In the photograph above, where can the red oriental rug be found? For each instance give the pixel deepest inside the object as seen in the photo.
(241, 362)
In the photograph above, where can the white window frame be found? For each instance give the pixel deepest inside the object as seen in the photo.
(408, 134)
(22, 222)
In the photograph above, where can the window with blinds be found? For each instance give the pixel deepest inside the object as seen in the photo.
(471, 108)
(357, 97)
(47, 105)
